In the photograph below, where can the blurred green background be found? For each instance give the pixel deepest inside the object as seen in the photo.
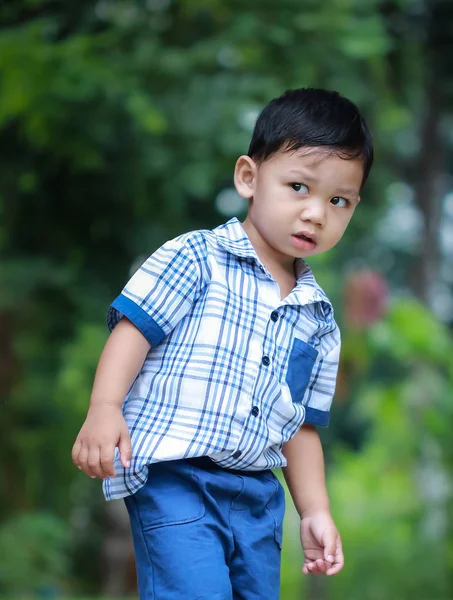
(120, 123)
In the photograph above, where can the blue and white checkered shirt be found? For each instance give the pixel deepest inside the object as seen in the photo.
(234, 370)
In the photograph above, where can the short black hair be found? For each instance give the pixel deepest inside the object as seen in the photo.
(309, 117)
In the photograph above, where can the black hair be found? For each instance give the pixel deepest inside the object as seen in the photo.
(309, 117)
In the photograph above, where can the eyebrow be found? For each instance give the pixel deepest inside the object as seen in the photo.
(308, 177)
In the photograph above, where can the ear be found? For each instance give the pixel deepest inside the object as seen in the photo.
(245, 176)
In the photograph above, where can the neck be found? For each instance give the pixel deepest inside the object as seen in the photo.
(271, 258)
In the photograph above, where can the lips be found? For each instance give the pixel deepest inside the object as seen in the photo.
(304, 241)
(307, 236)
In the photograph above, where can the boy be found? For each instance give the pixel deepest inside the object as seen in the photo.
(226, 351)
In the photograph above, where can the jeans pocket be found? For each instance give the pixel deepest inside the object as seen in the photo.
(171, 496)
(276, 508)
(300, 367)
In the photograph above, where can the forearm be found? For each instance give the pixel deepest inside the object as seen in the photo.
(120, 362)
(304, 474)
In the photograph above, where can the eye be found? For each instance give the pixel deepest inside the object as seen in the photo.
(300, 187)
(340, 202)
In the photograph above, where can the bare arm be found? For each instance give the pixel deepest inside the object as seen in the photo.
(121, 360)
(305, 477)
(104, 427)
(305, 472)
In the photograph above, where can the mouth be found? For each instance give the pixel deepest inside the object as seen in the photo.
(306, 236)
(304, 241)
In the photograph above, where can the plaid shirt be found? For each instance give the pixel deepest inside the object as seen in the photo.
(234, 370)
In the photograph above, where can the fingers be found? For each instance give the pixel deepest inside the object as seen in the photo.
(75, 453)
(330, 545)
(125, 448)
(94, 448)
(315, 567)
(82, 460)
(331, 565)
(94, 460)
(339, 560)
(107, 455)
(88, 460)
(333, 570)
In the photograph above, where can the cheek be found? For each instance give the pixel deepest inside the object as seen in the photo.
(340, 226)
(269, 190)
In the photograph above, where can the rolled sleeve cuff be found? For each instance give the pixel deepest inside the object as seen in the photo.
(123, 306)
(314, 416)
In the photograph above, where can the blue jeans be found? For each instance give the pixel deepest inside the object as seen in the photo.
(204, 533)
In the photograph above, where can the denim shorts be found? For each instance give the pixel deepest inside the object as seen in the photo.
(201, 532)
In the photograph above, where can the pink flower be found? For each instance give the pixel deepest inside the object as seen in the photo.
(365, 298)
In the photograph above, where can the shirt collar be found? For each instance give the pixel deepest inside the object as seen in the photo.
(233, 238)
(308, 291)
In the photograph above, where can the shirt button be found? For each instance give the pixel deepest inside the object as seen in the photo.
(266, 361)
(237, 454)
(255, 411)
(274, 316)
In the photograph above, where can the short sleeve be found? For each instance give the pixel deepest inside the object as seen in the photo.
(320, 391)
(161, 292)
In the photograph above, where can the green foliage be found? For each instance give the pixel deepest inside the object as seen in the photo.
(34, 554)
(428, 341)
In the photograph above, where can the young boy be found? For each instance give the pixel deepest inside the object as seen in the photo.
(225, 351)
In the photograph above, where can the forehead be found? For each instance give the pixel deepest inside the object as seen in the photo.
(324, 163)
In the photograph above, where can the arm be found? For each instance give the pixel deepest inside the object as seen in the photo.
(104, 427)
(304, 475)
(305, 472)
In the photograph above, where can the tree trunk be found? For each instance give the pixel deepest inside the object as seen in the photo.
(429, 184)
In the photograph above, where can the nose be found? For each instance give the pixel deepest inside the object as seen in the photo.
(315, 212)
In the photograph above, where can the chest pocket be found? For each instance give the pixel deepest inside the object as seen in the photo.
(300, 366)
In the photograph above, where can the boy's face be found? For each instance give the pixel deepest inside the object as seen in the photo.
(300, 202)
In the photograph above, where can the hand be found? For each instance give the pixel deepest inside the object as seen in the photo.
(321, 544)
(94, 449)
